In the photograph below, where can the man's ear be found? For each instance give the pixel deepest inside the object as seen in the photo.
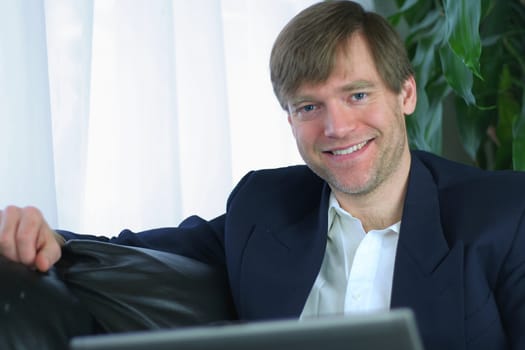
(409, 96)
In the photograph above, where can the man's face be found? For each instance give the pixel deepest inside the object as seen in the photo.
(350, 130)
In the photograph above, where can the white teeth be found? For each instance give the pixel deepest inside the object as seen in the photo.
(349, 149)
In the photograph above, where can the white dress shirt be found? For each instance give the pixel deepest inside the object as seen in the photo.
(357, 270)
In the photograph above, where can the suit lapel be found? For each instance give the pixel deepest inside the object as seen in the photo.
(280, 265)
(428, 274)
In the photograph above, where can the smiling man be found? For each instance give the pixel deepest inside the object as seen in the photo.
(350, 130)
(367, 225)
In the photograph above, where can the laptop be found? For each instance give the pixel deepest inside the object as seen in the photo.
(393, 330)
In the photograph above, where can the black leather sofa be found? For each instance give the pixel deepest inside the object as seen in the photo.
(101, 288)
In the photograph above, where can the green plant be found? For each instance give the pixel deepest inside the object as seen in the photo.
(474, 51)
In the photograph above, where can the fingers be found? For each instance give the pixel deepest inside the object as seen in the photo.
(9, 220)
(48, 252)
(29, 229)
(25, 237)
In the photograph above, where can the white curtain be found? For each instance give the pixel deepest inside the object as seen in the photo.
(136, 113)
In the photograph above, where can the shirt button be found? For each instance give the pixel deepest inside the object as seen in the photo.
(356, 296)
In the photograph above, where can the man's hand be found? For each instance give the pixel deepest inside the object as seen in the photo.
(25, 237)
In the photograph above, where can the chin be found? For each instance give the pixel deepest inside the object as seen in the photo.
(352, 188)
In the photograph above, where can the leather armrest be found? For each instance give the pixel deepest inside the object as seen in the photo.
(37, 310)
(131, 288)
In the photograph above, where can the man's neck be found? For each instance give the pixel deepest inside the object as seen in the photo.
(383, 206)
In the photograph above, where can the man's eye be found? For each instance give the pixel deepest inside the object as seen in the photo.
(307, 111)
(307, 108)
(359, 96)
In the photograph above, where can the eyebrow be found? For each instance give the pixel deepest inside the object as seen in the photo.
(297, 101)
(358, 85)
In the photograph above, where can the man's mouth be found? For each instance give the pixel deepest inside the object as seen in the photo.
(351, 149)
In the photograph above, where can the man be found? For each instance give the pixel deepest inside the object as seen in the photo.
(366, 225)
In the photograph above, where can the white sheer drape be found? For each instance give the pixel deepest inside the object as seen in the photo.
(26, 153)
(136, 113)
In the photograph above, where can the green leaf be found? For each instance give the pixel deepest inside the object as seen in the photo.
(424, 62)
(406, 4)
(471, 127)
(437, 91)
(421, 30)
(514, 51)
(415, 136)
(518, 142)
(508, 111)
(415, 123)
(424, 126)
(457, 74)
(463, 19)
(487, 6)
(518, 146)
(417, 11)
(434, 129)
(403, 6)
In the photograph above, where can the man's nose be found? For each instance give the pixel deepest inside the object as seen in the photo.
(339, 120)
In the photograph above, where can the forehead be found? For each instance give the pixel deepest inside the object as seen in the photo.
(353, 57)
(354, 66)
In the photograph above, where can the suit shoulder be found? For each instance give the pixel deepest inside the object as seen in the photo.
(289, 191)
(287, 179)
(450, 176)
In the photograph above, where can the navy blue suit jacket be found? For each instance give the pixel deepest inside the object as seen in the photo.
(460, 262)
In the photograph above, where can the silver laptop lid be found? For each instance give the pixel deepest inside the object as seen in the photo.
(394, 330)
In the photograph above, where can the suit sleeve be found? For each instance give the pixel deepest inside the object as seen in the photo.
(194, 237)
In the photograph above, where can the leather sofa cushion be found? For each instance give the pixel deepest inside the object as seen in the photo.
(129, 288)
(38, 311)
